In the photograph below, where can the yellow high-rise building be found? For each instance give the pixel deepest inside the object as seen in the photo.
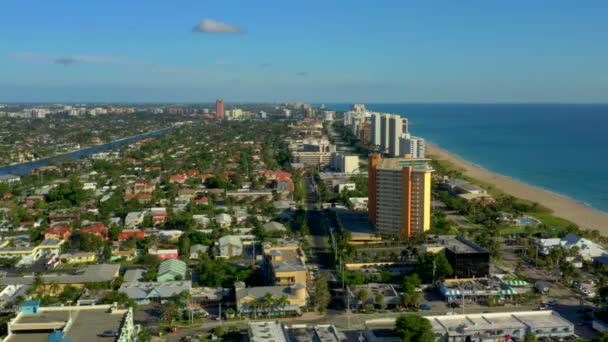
(400, 195)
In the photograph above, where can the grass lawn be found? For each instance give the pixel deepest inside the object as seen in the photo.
(551, 221)
(516, 230)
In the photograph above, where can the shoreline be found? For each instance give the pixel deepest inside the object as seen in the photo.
(562, 206)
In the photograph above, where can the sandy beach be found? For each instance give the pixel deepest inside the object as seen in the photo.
(584, 217)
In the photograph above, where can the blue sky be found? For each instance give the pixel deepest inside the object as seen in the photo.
(320, 51)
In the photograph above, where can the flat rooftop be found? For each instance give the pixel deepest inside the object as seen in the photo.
(418, 164)
(492, 321)
(266, 331)
(456, 244)
(291, 260)
(87, 324)
(355, 222)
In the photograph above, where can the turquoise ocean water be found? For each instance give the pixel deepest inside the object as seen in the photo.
(561, 148)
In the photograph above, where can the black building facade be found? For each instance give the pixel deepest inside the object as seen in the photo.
(467, 259)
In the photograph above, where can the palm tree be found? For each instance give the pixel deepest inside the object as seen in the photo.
(54, 288)
(269, 300)
(283, 301)
(254, 304)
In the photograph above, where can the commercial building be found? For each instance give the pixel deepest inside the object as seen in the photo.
(411, 145)
(399, 195)
(28, 255)
(390, 297)
(70, 323)
(467, 259)
(146, 292)
(248, 299)
(276, 331)
(314, 159)
(219, 109)
(480, 327)
(344, 163)
(267, 331)
(284, 265)
(99, 273)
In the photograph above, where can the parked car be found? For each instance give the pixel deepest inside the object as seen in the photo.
(425, 307)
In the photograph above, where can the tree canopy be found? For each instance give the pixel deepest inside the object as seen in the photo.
(429, 263)
(413, 328)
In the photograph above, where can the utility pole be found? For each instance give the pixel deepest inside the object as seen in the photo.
(434, 269)
(348, 307)
(462, 290)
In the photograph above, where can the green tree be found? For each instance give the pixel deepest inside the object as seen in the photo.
(120, 298)
(113, 232)
(379, 300)
(184, 246)
(362, 296)
(433, 266)
(530, 337)
(320, 296)
(269, 302)
(413, 328)
(602, 337)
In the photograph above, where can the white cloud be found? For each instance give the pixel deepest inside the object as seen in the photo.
(212, 26)
(32, 57)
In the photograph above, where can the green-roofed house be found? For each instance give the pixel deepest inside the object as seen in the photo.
(171, 270)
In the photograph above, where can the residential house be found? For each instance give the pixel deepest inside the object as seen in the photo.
(63, 216)
(230, 246)
(96, 228)
(117, 254)
(78, 258)
(178, 178)
(197, 250)
(171, 270)
(201, 220)
(170, 235)
(159, 215)
(223, 220)
(134, 233)
(272, 227)
(134, 219)
(587, 249)
(163, 254)
(31, 201)
(58, 231)
(201, 201)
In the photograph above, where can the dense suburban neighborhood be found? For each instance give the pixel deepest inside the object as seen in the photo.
(277, 222)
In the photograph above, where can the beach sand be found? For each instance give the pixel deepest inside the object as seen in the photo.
(569, 209)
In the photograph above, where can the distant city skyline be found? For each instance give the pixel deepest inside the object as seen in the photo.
(315, 51)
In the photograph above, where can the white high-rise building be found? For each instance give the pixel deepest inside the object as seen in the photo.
(358, 107)
(346, 163)
(376, 135)
(414, 146)
(384, 119)
(395, 129)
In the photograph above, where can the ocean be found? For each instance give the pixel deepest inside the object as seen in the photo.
(561, 148)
